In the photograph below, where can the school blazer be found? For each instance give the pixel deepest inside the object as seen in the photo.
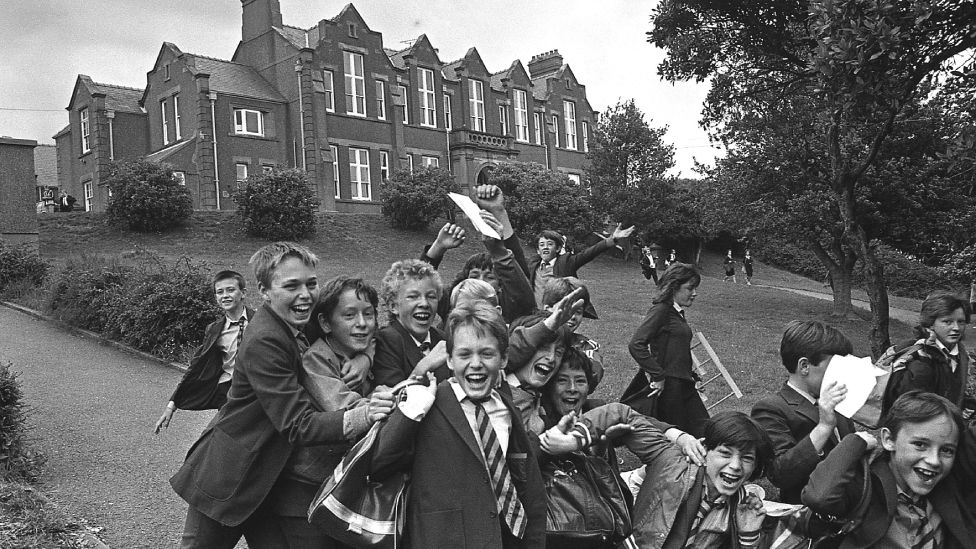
(788, 418)
(397, 355)
(230, 470)
(568, 264)
(198, 389)
(452, 502)
(662, 343)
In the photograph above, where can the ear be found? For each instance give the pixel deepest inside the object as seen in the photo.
(324, 324)
(264, 292)
(887, 439)
(803, 366)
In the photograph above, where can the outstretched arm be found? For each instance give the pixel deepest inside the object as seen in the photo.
(449, 237)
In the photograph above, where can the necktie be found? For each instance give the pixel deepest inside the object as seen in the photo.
(240, 330)
(704, 508)
(425, 348)
(302, 342)
(925, 531)
(682, 313)
(506, 495)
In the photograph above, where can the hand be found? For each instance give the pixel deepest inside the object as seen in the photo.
(656, 387)
(557, 439)
(692, 448)
(830, 397)
(622, 233)
(489, 197)
(355, 370)
(561, 312)
(380, 406)
(434, 359)
(749, 514)
(450, 236)
(869, 439)
(164, 420)
(617, 431)
(493, 245)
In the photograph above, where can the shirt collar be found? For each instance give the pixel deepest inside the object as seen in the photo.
(953, 353)
(810, 398)
(417, 342)
(459, 392)
(228, 320)
(677, 307)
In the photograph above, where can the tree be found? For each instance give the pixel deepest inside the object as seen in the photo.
(859, 62)
(278, 205)
(146, 197)
(412, 200)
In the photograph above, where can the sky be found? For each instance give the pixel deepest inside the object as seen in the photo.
(45, 44)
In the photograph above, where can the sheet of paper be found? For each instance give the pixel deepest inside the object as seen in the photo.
(471, 210)
(858, 374)
(777, 509)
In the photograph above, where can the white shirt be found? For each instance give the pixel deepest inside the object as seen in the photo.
(953, 354)
(498, 415)
(419, 343)
(228, 343)
(678, 308)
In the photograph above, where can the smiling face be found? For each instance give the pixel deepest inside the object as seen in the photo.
(542, 366)
(728, 468)
(548, 248)
(230, 297)
(293, 290)
(486, 275)
(568, 390)
(922, 454)
(475, 361)
(685, 295)
(950, 328)
(351, 326)
(416, 304)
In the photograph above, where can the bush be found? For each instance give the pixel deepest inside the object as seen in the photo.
(146, 197)
(278, 205)
(414, 200)
(17, 461)
(543, 199)
(21, 264)
(907, 276)
(84, 292)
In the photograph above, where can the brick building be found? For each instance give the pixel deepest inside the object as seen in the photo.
(332, 100)
(18, 215)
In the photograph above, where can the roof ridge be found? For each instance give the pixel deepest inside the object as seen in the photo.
(299, 28)
(216, 59)
(118, 86)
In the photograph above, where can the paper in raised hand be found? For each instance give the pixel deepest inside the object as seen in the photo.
(858, 374)
(471, 210)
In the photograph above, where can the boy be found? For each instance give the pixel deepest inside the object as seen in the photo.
(474, 479)
(648, 264)
(909, 504)
(233, 477)
(558, 288)
(800, 418)
(205, 384)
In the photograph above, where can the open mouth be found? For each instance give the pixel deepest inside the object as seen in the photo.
(927, 476)
(476, 380)
(542, 369)
(730, 479)
(301, 310)
(570, 402)
(422, 316)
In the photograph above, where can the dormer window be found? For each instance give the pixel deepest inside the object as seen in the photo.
(353, 31)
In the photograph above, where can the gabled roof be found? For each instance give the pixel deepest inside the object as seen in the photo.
(117, 98)
(447, 71)
(540, 88)
(64, 130)
(233, 78)
(396, 56)
(296, 35)
(46, 165)
(170, 150)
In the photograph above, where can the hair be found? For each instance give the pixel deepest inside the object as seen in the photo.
(562, 334)
(558, 288)
(480, 261)
(554, 236)
(672, 279)
(266, 260)
(939, 304)
(812, 340)
(473, 289)
(918, 407)
(399, 272)
(329, 298)
(227, 274)
(574, 359)
(739, 431)
(485, 319)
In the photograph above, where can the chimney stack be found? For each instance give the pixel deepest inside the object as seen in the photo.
(545, 64)
(258, 18)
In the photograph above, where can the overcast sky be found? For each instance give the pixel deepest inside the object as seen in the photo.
(47, 43)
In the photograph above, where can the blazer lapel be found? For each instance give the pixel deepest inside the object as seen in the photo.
(447, 404)
(410, 350)
(802, 406)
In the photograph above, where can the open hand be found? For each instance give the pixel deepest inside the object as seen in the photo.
(557, 439)
(830, 397)
(692, 448)
(620, 232)
(749, 513)
(563, 311)
(164, 420)
(450, 236)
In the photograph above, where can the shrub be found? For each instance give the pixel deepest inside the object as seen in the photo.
(17, 460)
(84, 291)
(278, 205)
(21, 264)
(907, 276)
(146, 197)
(414, 200)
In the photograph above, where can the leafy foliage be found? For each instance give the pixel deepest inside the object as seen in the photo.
(21, 263)
(278, 205)
(146, 197)
(413, 200)
(17, 460)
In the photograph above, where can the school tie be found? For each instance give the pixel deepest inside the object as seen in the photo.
(425, 348)
(302, 342)
(240, 323)
(925, 531)
(704, 508)
(506, 495)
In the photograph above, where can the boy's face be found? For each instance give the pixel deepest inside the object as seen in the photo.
(352, 324)
(573, 323)
(814, 373)
(728, 468)
(229, 296)
(568, 390)
(475, 361)
(922, 454)
(950, 328)
(294, 289)
(416, 304)
(548, 248)
(542, 366)
(686, 293)
(485, 275)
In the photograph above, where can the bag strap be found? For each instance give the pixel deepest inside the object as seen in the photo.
(856, 516)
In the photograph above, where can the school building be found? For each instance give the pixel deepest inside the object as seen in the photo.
(331, 100)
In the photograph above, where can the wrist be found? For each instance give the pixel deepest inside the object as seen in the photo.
(171, 406)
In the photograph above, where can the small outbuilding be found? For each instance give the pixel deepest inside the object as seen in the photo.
(18, 192)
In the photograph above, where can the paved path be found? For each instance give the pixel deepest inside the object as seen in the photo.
(904, 315)
(93, 409)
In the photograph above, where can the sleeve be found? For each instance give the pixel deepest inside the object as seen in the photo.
(646, 441)
(793, 460)
(196, 386)
(640, 344)
(435, 263)
(524, 342)
(517, 297)
(388, 363)
(917, 374)
(394, 447)
(578, 260)
(515, 245)
(835, 486)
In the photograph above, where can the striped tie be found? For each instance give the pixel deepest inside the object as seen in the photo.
(921, 524)
(506, 496)
(704, 508)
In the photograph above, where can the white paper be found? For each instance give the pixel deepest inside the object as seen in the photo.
(471, 210)
(858, 374)
(777, 509)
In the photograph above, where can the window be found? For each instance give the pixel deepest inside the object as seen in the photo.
(355, 84)
(427, 98)
(385, 165)
(448, 123)
(476, 100)
(248, 122)
(335, 168)
(406, 104)
(575, 178)
(85, 132)
(537, 119)
(521, 116)
(381, 100)
(162, 109)
(176, 116)
(166, 71)
(586, 137)
(267, 168)
(353, 31)
(180, 178)
(410, 162)
(241, 173)
(555, 129)
(329, 86)
(89, 196)
(430, 161)
(569, 114)
(359, 172)
(503, 118)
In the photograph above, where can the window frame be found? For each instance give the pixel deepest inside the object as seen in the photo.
(85, 130)
(586, 136)
(328, 83)
(241, 128)
(180, 177)
(405, 118)
(355, 183)
(430, 161)
(237, 172)
(165, 121)
(540, 121)
(569, 117)
(88, 188)
(521, 106)
(380, 88)
(555, 128)
(428, 101)
(448, 112)
(335, 170)
(355, 88)
(476, 104)
(410, 162)
(385, 165)
(176, 116)
(503, 119)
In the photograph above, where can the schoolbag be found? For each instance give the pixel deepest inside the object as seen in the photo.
(891, 361)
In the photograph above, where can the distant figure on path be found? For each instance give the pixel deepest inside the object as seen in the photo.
(648, 264)
(66, 202)
(729, 267)
(671, 259)
(747, 267)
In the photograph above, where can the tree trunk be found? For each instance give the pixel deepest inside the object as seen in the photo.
(877, 295)
(699, 244)
(841, 288)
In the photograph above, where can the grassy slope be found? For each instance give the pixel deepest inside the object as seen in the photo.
(743, 323)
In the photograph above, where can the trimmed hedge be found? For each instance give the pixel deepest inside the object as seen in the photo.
(278, 205)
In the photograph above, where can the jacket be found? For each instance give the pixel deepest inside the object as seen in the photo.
(928, 369)
(397, 355)
(198, 389)
(662, 343)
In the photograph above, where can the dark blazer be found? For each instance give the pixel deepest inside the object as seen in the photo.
(569, 263)
(836, 486)
(199, 390)
(397, 355)
(788, 418)
(662, 343)
(452, 503)
(237, 460)
(928, 369)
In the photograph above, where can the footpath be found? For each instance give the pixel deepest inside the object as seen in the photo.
(902, 315)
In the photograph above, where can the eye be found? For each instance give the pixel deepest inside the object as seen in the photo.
(948, 452)
(919, 445)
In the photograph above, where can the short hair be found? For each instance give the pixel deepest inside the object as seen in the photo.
(674, 276)
(226, 274)
(562, 334)
(574, 359)
(475, 261)
(474, 289)
(267, 258)
(938, 304)
(402, 270)
(918, 407)
(813, 340)
(739, 431)
(554, 236)
(485, 319)
(558, 288)
(329, 298)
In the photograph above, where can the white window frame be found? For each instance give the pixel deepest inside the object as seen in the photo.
(555, 128)
(266, 169)
(521, 116)
(574, 178)
(430, 161)
(355, 83)
(384, 165)
(503, 118)
(176, 116)
(586, 136)
(328, 83)
(539, 123)
(85, 131)
(448, 113)
(427, 95)
(89, 190)
(380, 99)
(335, 169)
(569, 116)
(241, 125)
(359, 174)
(180, 178)
(238, 171)
(410, 162)
(476, 103)
(406, 104)
(162, 110)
